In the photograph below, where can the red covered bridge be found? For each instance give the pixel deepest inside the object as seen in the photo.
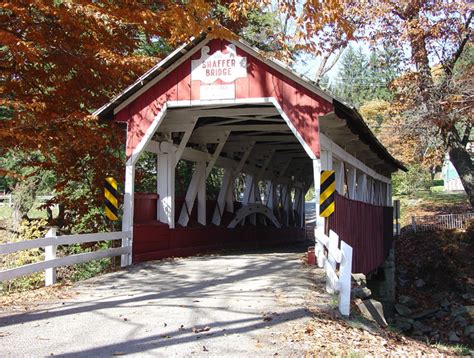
(222, 104)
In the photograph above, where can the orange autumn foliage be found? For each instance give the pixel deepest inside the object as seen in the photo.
(60, 60)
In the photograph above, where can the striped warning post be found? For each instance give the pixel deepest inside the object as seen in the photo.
(326, 197)
(111, 199)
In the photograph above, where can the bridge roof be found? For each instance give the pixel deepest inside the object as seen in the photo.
(342, 125)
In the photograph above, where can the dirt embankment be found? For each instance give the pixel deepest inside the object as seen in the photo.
(435, 286)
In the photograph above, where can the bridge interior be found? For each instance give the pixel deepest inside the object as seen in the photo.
(263, 169)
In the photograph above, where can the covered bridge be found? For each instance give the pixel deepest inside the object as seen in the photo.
(221, 103)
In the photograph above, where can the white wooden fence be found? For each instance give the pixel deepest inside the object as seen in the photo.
(445, 221)
(50, 243)
(329, 255)
(7, 199)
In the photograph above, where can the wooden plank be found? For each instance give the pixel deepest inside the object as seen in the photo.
(62, 240)
(94, 237)
(63, 261)
(24, 245)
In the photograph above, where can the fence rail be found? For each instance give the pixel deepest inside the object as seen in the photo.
(445, 221)
(7, 199)
(50, 243)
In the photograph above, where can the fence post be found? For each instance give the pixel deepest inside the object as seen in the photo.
(331, 262)
(396, 214)
(413, 223)
(319, 248)
(50, 254)
(345, 279)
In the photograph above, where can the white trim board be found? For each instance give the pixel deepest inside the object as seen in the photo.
(327, 144)
(177, 104)
(263, 100)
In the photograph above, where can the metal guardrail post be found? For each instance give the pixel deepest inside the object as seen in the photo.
(50, 254)
(413, 223)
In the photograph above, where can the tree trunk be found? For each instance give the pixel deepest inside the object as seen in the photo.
(462, 161)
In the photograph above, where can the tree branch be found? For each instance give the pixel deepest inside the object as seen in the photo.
(448, 68)
(467, 134)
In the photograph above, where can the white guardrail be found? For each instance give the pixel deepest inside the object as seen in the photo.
(50, 243)
(443, 221)
(329, 256)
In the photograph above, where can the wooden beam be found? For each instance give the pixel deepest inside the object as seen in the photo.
(350, 159)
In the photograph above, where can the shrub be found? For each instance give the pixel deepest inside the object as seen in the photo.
(417, 178)
(28, 230)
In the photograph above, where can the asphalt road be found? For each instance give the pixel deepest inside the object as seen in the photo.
(220, 306)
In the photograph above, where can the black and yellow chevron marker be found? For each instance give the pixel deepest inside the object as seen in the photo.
(111, 199)
(326, 198)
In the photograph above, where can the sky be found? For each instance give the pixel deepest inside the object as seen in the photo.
(308, 66)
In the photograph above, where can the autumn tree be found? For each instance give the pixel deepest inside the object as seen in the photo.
(435, 99)
(60, 60)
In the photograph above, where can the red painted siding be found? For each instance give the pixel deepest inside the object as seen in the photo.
(153, 241)
(301, 106)
(367, 228)
(144, 207)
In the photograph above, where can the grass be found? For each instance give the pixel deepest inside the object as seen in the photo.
(5, 212)
(334, 301)
(35, 212)
(458, 349)
(431, 202)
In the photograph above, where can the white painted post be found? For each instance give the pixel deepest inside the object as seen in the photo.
(198, 176)
(319, 247)
(196, 185)
(127, 220)
(201, 193)
(345, 272)
(339, 169)
(298, 206)
(229, 201)
(368, 197)
(413, 223)
(248, 189)
(317, 189)
(222, 197)
(270, 197)
(372, 191)
(286, 193)
(166, 183)
(396, 214)
(332, 247)
(252, 200)
(50, 254)
(302, 207)
(362, 187)
(326, 160)
(352, 183)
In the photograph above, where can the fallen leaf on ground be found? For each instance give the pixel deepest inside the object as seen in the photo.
(202, 329)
